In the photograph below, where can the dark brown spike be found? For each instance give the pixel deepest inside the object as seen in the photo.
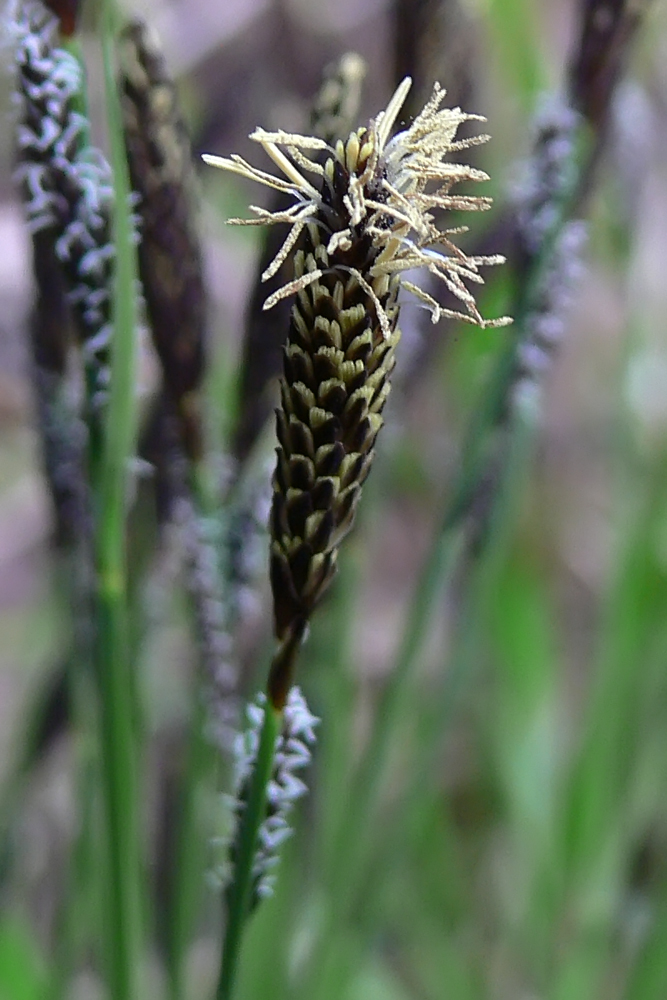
(335, 336)
(170, 257)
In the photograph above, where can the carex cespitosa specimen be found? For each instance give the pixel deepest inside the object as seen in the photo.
(364, 218)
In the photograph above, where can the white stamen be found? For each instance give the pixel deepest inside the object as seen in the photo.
(385, 120)
(291, 287)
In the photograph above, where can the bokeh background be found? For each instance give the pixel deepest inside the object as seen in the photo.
(520, 841)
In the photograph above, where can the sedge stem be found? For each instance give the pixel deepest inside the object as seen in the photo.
(239, 895)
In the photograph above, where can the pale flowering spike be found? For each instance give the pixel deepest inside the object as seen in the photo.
(67, 186)
(363, 216)
(403, 166)
(293, 752)
(540, 196)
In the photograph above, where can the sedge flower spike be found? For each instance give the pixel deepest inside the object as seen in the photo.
(362, 215)
(292, 753)
(66, 184)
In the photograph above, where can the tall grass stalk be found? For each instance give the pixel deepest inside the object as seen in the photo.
(118, 737)
(188, 857)
(240, 890)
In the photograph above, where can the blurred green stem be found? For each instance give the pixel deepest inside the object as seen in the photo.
(119, 757)
(240, 890)
(188, 857)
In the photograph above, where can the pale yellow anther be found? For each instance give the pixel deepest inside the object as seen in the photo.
(394, 187)
(352, 152)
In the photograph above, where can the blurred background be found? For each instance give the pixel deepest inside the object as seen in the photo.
(519, 846)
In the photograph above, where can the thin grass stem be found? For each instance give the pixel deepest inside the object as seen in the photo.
(240, 890)
(188, 856)
(118, 739)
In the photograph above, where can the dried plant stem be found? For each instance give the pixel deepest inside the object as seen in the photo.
(111, 640)
(240, 890)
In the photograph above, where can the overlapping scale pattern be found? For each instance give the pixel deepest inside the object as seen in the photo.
(337, 364)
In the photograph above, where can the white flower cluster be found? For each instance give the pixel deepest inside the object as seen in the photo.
(48, 128)
(542, 196)
(292, 754)
(545, 326)
(548, 174)
(201, 542)
(86, 250)
(67, 187)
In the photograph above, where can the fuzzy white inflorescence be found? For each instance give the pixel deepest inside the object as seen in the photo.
(541, 197)
(293, 753)
(67, 186)
(404, 179)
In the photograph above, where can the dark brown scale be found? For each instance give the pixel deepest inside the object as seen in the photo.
(357, 381)
(301, 439)
(319, 539)
(283, 471)
(361, 347)
(328, 431)
(300, 564)
(322, 335)
(353, 471)
(301, 472)
(298, 367)
(328, 459)
(324, 367)
(299, 507)
(346, 504)
(282, 432)
(302, 399)
(323, 493)
(332, 396)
